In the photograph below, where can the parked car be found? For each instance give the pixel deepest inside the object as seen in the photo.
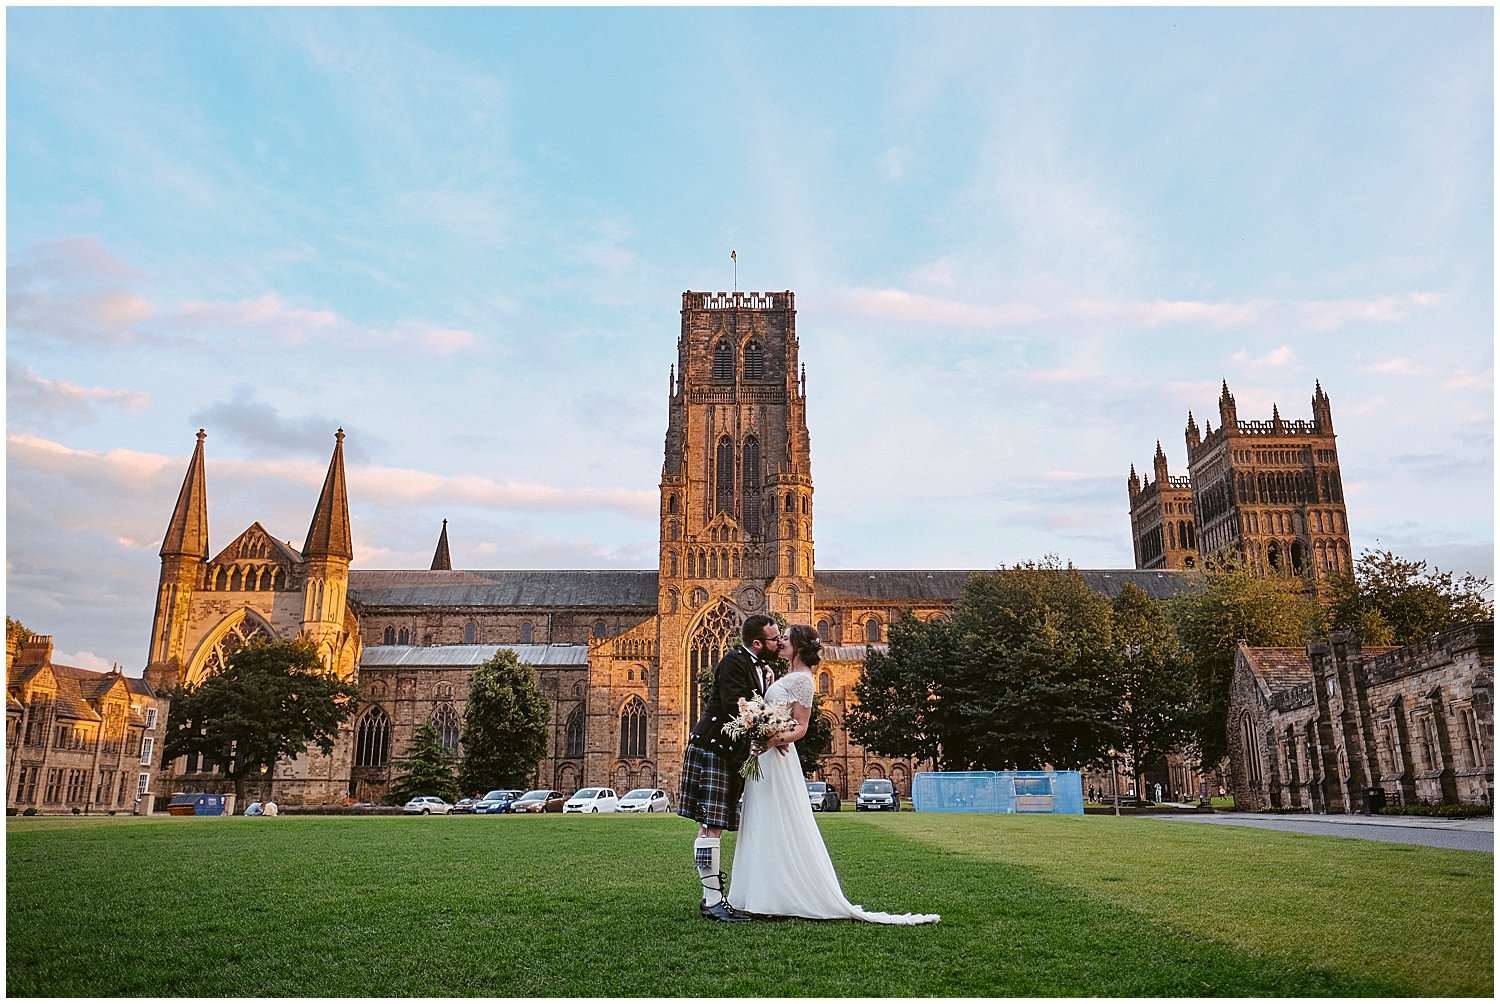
(822, 797)
(876, 793)
(538, 800)
(497, 801)
(464, 805)
(592, 800)
(644, 800)
(427, 805)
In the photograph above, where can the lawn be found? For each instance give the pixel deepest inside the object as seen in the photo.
(604, 907)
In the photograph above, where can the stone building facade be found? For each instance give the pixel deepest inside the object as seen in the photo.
(1316, 727)
(75, 738)
(1268, 492)
(619, 654)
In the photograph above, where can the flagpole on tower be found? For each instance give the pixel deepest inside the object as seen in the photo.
(736, 259)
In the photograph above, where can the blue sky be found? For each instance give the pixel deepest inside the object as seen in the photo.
(1024, 243)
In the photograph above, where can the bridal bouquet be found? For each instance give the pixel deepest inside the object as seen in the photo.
(760, 722)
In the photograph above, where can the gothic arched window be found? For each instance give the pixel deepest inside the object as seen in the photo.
(823, 631)
(573, 741)
(723, 361)
(244, 633)
(390, 635)
(633, 728)
(525, 633)
(750, 484)
(724, 476)
(405, 636)
(755, 361)
(445, 720)
(872, 629)
(372, 739)
(471, 633)
(672, 502)
(825, 683)
(717, 633)
(601, 629)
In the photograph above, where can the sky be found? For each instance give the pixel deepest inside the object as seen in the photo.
(1025, 243)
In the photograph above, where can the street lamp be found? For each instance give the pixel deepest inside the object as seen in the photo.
(1114, 778)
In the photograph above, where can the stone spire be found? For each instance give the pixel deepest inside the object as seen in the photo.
(328, 535)
(441, 562)
(187, 533)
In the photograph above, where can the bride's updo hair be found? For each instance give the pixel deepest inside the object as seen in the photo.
(806, 644)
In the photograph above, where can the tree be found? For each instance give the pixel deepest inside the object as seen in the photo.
(15, 629)
(1393, 601)
(1235, 605)
(1154, 717)
(426, 769)
(270, 702)
(505, 725)
(1025, 674)
(898, 712)
(818, 740)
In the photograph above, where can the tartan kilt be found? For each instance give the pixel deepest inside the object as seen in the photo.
(711, 789)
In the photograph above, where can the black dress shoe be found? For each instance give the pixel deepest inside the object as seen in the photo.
(721, 912)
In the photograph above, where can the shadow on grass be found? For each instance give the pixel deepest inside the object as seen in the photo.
(563, 907)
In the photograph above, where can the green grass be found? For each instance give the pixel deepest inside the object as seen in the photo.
(606, 907)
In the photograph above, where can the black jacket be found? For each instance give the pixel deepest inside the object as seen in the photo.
(736, 676)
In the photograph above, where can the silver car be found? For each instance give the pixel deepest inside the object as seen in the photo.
(822, 797)
(644, 800)
(427, 805)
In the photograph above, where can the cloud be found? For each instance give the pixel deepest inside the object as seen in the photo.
(1468, 380)
(1275, 359)
(895, 163)
(36, 400)
(1398, 366)
(1312, 316)
(73, 291)
(260, 427)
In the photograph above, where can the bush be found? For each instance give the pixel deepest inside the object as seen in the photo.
(77, 811)
(1281, 810)
(30, 811)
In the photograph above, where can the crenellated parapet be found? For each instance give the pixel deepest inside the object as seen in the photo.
(784, 300)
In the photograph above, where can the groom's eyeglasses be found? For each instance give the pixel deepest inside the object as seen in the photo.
(772, 641)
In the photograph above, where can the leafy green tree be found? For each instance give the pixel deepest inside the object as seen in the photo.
(1154, 717)
(426, 769)
(505, 725)
(898, 711)
(814, 746)
(1235, 605)
(1025, 674)
(270, 702)
(1394, 601)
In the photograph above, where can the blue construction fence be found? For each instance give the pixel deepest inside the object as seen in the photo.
(1057, 791)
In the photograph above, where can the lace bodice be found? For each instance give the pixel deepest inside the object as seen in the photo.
(794, 688)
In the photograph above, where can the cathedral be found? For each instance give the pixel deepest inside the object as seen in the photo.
(619, 655)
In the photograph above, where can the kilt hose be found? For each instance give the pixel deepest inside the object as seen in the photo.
(711, 789)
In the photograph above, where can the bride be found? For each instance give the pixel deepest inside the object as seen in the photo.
(781, 867)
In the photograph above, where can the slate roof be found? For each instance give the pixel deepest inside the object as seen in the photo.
(1279, 669)
(440, 588)
(425, 588)
(438, 656)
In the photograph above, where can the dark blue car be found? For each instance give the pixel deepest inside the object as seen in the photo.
(496, 801)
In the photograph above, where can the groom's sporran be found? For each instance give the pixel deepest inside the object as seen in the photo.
(711, 781)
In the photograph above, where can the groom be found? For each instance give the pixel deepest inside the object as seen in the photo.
(711, 782)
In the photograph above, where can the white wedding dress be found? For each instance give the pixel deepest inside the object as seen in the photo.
(781, 867)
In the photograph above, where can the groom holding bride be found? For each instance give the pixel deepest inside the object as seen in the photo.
(782, 868)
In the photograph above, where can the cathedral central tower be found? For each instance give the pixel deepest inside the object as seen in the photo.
(736, 487)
